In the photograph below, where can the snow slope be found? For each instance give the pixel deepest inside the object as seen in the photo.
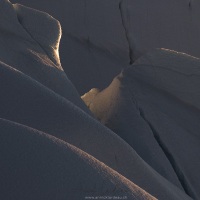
(169, 24)
(39, 166)
(154, 106)
(50, 142)
(93, 40)
(108, 35)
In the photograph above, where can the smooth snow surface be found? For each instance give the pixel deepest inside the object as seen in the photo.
(154, 106)
(93, 43)
(101, 37)
(170, 24)
(146, 144)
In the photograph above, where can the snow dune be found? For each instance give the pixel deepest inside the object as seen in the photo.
(154, 106)
(93, 30)
(52, 146)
